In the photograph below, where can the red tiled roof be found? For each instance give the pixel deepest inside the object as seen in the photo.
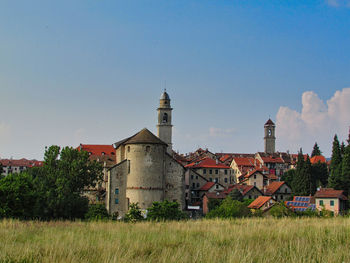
(273, 187)
(259, 202)
(21, 162)
(207, 163)
(256, 170)
(96, 149)
(244, 189)
(217, 195)
(330, 193)
(207, 186)
(244, 161)
(270, 159)
(318, 158)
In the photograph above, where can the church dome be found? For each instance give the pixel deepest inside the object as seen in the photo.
(165, 96)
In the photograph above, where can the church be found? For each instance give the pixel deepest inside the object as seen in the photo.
(145, 170)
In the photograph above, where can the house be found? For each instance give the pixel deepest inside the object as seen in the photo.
(257, 177)
(330, 199)
(280, 191)
(301, 203)
(262, 203)
(241, 166)
(193, 183)
(11, 166)
(213, 171)
(247, 191)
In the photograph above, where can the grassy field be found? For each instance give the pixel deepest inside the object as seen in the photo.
(242, 240)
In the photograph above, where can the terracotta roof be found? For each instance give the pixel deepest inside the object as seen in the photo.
(217, 195)
(143, 136)
(318, 158)
(207, 186)
(330, 193)
(244, 189)
(271, 176)
(21, 162)
(259, 202)
(97, 149)
(273, 187)
(269, 122)
(244, 161)
(207, 162)
(256, 170)
(270, 159)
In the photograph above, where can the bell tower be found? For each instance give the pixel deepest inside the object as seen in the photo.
(270, 139)
(164, 127)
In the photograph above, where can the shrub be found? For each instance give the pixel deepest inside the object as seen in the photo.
(160, 211)
(97, 212)
(214, 203)
(134, 214)
(280, 210)
(229, 209)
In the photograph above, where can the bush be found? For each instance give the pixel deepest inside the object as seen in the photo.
(134, 214)
(160, 211)
(280, 210)
(214, 203)
(229, 209)
(97, 212)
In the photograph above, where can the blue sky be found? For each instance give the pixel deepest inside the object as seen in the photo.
(92, 72)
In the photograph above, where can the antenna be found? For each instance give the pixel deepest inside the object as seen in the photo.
(164, 85)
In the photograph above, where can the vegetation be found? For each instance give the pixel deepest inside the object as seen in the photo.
(230, 208)
(165, 210)
(97, 212)
(134, 213)
(316, 151)
(240, 240)
(54, 191)
(303, 182)
(280, 210)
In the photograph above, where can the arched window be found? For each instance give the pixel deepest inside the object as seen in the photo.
(165, 118)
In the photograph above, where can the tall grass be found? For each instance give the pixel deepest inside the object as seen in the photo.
(241, 240)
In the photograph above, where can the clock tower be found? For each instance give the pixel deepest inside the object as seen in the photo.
(164, 127)
(270, 139)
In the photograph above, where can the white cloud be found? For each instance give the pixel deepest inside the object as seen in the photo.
(317, 121)
(338, 3)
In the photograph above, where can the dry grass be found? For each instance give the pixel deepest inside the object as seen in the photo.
(243, 240)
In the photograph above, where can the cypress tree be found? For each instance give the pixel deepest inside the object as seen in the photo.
(346, 170)
(316, 151)
(335, 177)
(342, 149)
(302, 178)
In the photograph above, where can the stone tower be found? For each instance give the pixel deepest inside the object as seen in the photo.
(164, 127)
(270, 139)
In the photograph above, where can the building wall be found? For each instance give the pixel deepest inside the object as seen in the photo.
(175, 181)
(117, 177)
(327, 204)
(283, 194)
(217, 175)
(257, 182)
(252, 194)
(146, 178)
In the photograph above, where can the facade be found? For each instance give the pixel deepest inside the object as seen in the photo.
(247, 191)
(262, 203)
(193, 183)
(256, 178)
(164, 126)
(11, 166)
(269, 138)
(331, 200)
(280, 191)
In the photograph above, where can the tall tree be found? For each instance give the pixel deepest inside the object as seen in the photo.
(316, 151)
(335, 177)
(346, 170)
(342, 149)
(288, 176)
(301, 183)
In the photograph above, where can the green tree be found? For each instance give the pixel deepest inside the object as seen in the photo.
(316, 151)
(280, 210)
(17, 196)
(166, 210)
(346, 170)
(134, 213)
(213, 203)
(96, 212)
(335, 177)
(320, 174)
(302, 183)
(230, 209)
(1, 170)
(61, 181)
(288, 176)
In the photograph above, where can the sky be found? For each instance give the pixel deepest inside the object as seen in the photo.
(92, 72)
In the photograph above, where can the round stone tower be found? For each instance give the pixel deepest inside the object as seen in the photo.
(164, 126)
(145, 155)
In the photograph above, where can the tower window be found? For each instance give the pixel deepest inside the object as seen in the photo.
(148, 148)
(165, 118)
(128, 148)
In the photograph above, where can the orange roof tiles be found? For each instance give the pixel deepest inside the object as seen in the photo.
(21, 162)
(244, 161)
(244, 189)
(97, 149)
(259, 202)
(330, 193)
(273, 187)
(207, 163)
(318, 158)
(272, 159)
(207, 186)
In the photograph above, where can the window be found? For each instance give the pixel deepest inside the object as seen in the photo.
(254, 183)
(197, 184)
(286, 190)
(321, 202)
(210, 171)
(210, 179)
(332, 203)
(128, 166)
(250, 197)
(225, 171)
(225, 180)
(193, 185)
(192, 176)
(165, 118)
(216, 171)
(216, 180)
(196, 177)
(204, 171)
(281, 197)
(217, 186)
(148, 148)
(254, 176)
(116, 201)
(117, 191)
(128, 149)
